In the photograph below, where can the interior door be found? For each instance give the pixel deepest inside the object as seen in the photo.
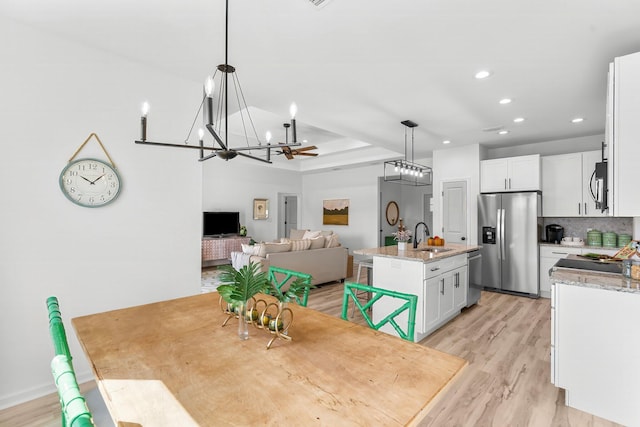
(454, 213)
(290, 214)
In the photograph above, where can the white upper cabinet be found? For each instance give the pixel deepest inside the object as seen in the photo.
(567, 184)
(623, 134)
(510, 174)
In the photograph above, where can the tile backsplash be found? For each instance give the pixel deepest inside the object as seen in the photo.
(578, 227)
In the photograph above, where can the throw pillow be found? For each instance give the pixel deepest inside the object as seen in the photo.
(300, 245)
(250, 249)
(296, 234)
(326, 233)
(332, 241)
(272, 248)
(311, 234)
(317, 243)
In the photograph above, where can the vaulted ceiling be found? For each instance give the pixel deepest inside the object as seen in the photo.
(357, 68)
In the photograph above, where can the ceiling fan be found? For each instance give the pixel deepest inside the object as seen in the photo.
(302, 151)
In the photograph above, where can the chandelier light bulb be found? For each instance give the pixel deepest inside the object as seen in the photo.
(200, 134)
(209, 86)
(421, 174)
(145, 109)
(396, 168)
(293, 110)
(267, 136)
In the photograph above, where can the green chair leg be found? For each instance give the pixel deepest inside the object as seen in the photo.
(410, 303)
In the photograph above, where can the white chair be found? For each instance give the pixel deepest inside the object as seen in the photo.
(368, 264)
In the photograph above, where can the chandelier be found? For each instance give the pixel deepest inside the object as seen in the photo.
(216, 120)
(405, 171)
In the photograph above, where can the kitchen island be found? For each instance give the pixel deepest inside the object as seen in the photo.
(438, 275)
(595, 345)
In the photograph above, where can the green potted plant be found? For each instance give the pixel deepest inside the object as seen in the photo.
(239, 286)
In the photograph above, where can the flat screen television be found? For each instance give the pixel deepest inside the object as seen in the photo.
(220, 223)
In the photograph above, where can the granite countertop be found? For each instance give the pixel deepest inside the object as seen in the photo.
(592, 248)
(594, 279)
(418, 255)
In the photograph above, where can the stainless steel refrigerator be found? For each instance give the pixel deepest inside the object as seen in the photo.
(509, 226)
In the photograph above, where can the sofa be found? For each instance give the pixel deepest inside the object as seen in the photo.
(317, 253)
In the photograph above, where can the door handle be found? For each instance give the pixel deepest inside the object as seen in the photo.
(579, 213)
(442, 286)
(457, 284)
(505, 184)
(498, 231)
(503, 252)
(509, 183)
(585, 208)
(463, 238)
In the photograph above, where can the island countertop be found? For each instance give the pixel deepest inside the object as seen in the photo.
(594, 279)
(452, 249)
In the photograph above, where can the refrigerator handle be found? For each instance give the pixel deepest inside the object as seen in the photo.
(499, 233)
(503, 252)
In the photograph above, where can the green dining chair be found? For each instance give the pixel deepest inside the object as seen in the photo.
(75, 412)
(56, 329)
(282, 279)
(409, 303)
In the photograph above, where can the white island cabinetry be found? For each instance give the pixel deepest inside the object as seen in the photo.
(441, 287)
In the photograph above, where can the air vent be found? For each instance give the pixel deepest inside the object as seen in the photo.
(319, 3)
(493, 129)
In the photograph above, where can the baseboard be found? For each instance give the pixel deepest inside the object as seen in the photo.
(37, 392)
(24, 396)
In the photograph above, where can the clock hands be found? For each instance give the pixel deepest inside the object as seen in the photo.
(94, 181)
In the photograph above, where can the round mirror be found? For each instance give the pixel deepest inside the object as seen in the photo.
(392, 213)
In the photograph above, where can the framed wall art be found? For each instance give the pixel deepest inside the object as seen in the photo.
(260, 208)
(335, 212)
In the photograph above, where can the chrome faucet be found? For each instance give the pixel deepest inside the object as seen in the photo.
(415, 234)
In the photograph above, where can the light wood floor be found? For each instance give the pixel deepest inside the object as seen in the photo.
(504, 338)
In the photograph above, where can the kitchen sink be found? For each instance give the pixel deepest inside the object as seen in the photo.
(434, 250)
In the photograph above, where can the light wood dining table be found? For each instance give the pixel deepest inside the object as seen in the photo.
(171, 363)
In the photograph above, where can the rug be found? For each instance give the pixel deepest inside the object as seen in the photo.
(210, 279)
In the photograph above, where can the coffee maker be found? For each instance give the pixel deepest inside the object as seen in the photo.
(555, 233)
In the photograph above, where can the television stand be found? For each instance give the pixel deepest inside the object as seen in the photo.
(217, 250)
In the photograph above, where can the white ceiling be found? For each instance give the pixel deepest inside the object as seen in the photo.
(357, 68)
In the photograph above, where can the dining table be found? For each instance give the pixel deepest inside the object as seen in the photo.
(172, 363)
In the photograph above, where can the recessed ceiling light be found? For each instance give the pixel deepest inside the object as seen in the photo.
(577, 120)
(505, 101)
(518, 120)
(483, 74)
(446, 142)
(503, 132)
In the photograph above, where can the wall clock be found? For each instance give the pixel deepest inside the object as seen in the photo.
(392, 213)
(90, 183)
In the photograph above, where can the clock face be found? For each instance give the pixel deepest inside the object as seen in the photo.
(90, 183)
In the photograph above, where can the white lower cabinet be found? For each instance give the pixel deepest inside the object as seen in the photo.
(549, 255)
(594, 350)
(441, 287)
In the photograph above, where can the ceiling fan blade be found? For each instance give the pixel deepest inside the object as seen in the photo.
(308, 154)
(311, 147)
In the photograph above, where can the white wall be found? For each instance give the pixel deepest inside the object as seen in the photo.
(457, 163)
(360, 186)
(232, 185)
(144, 247)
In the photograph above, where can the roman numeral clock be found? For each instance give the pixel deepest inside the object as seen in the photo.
(89, 182)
